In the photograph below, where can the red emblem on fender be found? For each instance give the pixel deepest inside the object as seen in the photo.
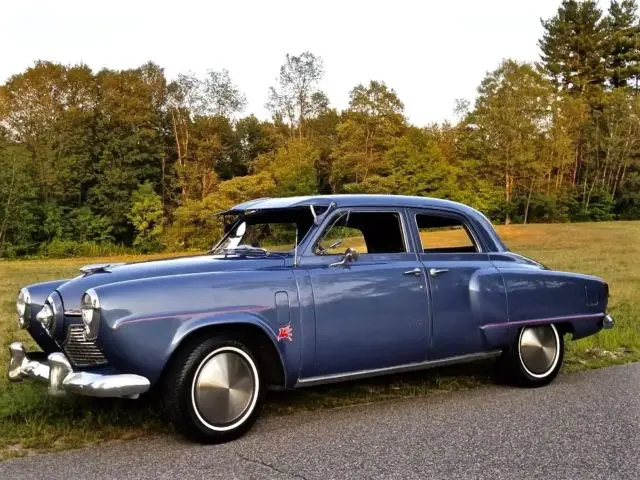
(285, 333)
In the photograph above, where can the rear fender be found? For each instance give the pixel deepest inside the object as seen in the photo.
(535, 296)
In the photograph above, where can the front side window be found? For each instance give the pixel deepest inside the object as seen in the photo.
(367, 232)
(443, 234)
(266, 232)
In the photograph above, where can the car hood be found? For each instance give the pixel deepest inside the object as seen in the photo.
(71, 292)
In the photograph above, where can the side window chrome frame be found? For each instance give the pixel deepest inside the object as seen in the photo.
(340, 212)
(464, 222)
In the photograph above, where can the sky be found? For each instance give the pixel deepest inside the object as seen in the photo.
(430, 52)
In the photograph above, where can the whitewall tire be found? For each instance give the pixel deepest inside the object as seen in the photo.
(213, 391)
(536, 356)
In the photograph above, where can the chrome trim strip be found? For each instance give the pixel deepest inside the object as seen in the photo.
(61, 377)
(409, 367)
(405, 232)
(538, 321)
(73, 313)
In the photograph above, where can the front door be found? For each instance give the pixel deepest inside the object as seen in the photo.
(462, 283)
(372, 312)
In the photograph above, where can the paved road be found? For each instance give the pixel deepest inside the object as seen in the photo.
(584, 426)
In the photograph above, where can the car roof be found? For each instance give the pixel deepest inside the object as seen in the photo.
(359, 200)
(492, 239)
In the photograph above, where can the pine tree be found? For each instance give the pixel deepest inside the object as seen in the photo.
(573, 47)
(623, 44)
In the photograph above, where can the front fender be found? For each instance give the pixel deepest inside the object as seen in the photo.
(244, 317)
(165, 335)
(144, 321)
(39, 293)
(240, 319)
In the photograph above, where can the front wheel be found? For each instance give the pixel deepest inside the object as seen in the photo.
(536, 357)
(213, 390)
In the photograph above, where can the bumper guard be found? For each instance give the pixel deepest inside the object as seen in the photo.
(608, 321)
(58, 373)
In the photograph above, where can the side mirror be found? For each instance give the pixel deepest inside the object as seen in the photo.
(350, 255)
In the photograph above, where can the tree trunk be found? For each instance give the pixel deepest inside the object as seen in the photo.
(507, 188)
(507, 195)
(174, 122)
(584, 191)
(593, 184)
(164, 161)
(624, 170)
(3, 229)
(526, 208)
(616, 180)
(575, 168)
(368, 154)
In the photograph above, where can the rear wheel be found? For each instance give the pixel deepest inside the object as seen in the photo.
(536, 357)
(213, 390)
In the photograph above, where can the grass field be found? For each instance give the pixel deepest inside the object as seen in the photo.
(30, 421)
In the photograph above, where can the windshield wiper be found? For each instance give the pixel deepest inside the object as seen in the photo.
(248, 251)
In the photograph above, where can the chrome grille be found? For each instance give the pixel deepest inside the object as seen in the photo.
(82, 352)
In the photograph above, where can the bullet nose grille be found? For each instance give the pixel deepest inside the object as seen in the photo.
(82, 352)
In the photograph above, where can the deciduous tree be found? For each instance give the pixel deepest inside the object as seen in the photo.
(296, 96)
(511, 112)
(370, 126)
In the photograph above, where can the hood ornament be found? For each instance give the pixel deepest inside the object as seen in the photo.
(98, 268)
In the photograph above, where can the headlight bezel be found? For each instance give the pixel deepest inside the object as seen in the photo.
(90, 308)
(23, 304)
(46, 316)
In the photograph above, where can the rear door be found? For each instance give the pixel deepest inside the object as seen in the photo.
(465, 291)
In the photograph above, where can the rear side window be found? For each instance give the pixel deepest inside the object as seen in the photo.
(367, 232)
(442, 234)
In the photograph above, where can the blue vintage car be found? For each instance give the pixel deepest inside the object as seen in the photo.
(304, 291)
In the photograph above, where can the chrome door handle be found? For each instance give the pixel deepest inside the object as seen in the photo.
(416, 272)
(437, 271)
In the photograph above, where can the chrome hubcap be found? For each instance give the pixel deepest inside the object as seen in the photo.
(539, 349)
(224, 388)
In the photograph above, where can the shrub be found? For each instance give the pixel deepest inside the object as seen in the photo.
(69, 248)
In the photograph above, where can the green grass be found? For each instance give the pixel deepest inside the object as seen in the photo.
(32, 422)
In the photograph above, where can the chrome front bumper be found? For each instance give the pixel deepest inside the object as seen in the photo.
(57, 372)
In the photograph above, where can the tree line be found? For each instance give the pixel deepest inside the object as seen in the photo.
(129, 157)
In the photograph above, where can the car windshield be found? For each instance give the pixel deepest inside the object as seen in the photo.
(261, 233)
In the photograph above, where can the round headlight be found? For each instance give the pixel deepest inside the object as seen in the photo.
(45, 317)
(22, 304)
(90, 306)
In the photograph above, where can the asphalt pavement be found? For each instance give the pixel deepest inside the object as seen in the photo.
(583, 426)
